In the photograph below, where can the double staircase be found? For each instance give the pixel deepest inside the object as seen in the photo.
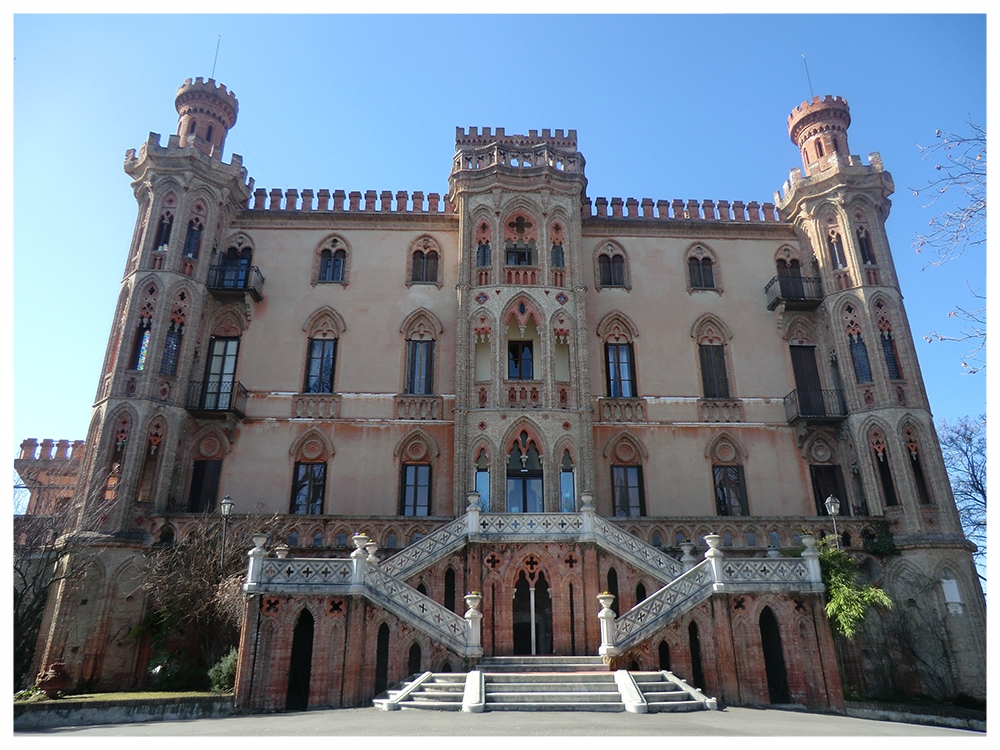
(546, 683)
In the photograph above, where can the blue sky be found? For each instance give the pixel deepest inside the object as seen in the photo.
(664, 106)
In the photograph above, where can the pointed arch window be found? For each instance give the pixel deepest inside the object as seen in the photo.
(524, 477)
(192, 240)
(483, 480)
(865, 246)
(730, 490)
(567, 484)
(912, 447)
(880, 453)
(172, 344)
(425, 265)
(140, 344)
(320, 361)
(835, 246)
(859, 351)
(163, 228)
(332, 264)
(888, 341)
(620, 360)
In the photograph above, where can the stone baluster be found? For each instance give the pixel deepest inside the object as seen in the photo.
(714, 556)
(474, 621)
(472, 515)
(688, 560)
(811, 555)
(371, 548)
(588, 511)
(358, 559)
(607, 618)
(255, 562)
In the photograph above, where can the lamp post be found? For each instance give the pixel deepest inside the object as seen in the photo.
(833, 509)
(226, 509)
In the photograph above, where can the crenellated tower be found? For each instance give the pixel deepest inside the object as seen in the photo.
(522, 411)
(159, 384)
(839, 207)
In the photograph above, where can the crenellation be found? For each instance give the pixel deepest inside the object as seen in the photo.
(724, 211)
(370, 200)
(753, 211)
(663, 209)
(65, 450)
(307, 199)
(339, 198)
(418, 201)
(291, 199)
(275, 202)
(708, 209)
(616, 207)
(402, 199)
(385, 199)
(647, 208)
(632, 207)
(259, 199)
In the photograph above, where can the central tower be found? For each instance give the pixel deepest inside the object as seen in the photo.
(522, 403)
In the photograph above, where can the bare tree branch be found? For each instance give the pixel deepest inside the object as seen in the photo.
(963, 445)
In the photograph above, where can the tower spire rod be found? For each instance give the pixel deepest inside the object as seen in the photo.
(808, 79)
(217, 56)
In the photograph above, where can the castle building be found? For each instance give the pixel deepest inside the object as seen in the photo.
(520, 391)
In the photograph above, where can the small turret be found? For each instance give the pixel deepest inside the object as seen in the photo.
(819, 129)
(207, 111)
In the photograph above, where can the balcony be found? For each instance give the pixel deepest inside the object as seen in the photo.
(796, 292)
(227, 282)
(622, 409)
(419, 407)
(217, 398)
(815, 405)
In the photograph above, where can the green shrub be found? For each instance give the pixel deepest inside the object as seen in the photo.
(223, 674)
(847, 602)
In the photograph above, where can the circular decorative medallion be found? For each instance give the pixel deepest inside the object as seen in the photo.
(481, 298)
(416, 450)
(209, 446)
(312, 449)
(561, 298)
(725, 452)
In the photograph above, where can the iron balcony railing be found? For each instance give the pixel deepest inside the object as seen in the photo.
(217, 398)
(815, 404)
(797, 292)
(224, 279)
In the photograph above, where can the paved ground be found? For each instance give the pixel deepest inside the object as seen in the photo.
(371, 722)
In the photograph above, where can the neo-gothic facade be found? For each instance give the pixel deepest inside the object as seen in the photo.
(389, 363)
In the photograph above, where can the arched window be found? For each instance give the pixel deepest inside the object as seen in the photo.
(888, 340)
(321, 352)
(520, 239)
(309, 474)
(416, 452)
(865, 246)
(234, 268)
(880, 454)
(701, 268)
(628, 494)
(483, 480)
(567, 484)
(163, 227)
(140, 344)
(192, 240)
(151, 460)
(835, 245)
(712, 339)
(612, 268)
(206, 472)
(912, 447)
(172, 344)
(424, 262)
(524, 477)
(617, 331)
(728, 478)
(859, 352)
(332, 261)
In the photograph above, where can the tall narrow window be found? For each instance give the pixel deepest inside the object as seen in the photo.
(881, 455)
(865, 247)
(483, 255)
(163, 230)
(714, 378)
(567, 485)
(220, 373)
(888, 341)
(835, 244)
(483, 481)
(308, 488)
(730, 491)
(558, 256)
(520, 362)
(420, 367)
(910, 436)
(627, 491)
(859, 352)
(192, 241)
(424, 254)
(140, 347)
(319, 366)
(612, 269)
(171, 349)
(620, 370)
(416, 494)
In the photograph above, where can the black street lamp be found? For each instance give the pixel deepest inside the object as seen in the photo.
(833, 510)
(226, 510)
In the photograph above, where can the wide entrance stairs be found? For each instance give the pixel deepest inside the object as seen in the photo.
(545, 683)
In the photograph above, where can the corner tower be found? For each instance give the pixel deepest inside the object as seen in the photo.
(839, 207)
(170, 306)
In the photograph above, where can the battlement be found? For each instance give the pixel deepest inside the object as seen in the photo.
(187, 145)
(201, 91)
(472, 138)
(339, 201)
(32, 450)
(679, 210)
(827, 108)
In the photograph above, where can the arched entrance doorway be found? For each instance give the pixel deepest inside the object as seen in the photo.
(532, 614)
(300, 668)
(774, 658)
